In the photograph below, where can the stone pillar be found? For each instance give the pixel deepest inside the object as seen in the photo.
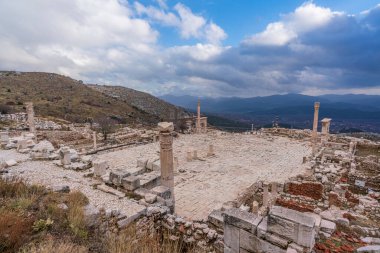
(94, 138)
(198, 125)
(65, 156)
(315, 128)
(352, 147)
(166, 156)
(265, 194)
(195, 155)
(4, 138)
(255, 207)
(189, 156)
(30, 113)
(274, 189)
(210, 151)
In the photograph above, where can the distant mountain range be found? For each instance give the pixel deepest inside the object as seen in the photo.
(347, 111)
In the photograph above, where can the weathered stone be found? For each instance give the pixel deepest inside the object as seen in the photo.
(110, 190)
(117, 175)
(216, 219)
(328, 226)
(10, 163)
(162, 191)
(293, 225)
(242, 219)
(150, 198)
(262, 228)
(165, 126)
(100, 167)
(130, 183)
(92, 215)
(252, 243)
(369, 249)
(142, 163)
(231, 237)
(61, 188)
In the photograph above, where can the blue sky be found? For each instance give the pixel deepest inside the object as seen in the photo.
(214, 48)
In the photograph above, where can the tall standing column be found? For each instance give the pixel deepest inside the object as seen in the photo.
(166, 156)
(315, 127)
(30, 113)
(94, 138)
(199, 116)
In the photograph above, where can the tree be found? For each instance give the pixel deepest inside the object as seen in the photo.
(106, 126)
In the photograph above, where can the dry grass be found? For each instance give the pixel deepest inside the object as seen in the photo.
(56, 247)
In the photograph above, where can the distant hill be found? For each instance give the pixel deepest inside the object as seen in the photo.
(63, 97)
(347, 111)
(143, 101)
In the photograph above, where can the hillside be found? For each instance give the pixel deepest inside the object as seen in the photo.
(63, 97)
(144, 101)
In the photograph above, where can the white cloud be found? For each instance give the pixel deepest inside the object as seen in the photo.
(189, 25)
(305, 18)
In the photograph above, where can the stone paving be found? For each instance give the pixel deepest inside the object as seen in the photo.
(208, 182)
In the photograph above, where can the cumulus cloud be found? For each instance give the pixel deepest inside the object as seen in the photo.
(311, 50)
(189, 25)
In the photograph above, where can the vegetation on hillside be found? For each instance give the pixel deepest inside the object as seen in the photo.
(62, 97)
(36, 220)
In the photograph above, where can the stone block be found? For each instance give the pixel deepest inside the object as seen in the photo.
(262, 228)
(293, 225)
(162, 191)
(150, 198)
(229, 250)
(242, 219)
(215, 218)
(100, 167)
(10, 163)
(369, 249)
(142, 163)
(156, 165)
(252, 243)
(328, 226)
(130, 183)
(117, 175)
(165, 126)
(231, 237)
(276, 240)
(150, 180)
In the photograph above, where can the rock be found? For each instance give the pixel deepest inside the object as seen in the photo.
(91, 215)
(241, 219)
(369, 249)
(150, 198)
(327, 226)
(100, 167)
(371, 240)
(61, 188)
(62, 206)
(10, 163)
(244, 208)
(43, 147)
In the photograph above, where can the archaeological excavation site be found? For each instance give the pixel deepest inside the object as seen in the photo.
(194, 187)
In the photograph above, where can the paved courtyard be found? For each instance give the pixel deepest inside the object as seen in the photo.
(239, 161)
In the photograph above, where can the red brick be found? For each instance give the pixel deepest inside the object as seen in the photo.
(312, 190)
(294, 205)
(334, 199)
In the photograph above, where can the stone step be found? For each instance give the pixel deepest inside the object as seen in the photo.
(110, 190)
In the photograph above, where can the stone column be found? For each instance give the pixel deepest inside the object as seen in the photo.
(195, 155)
(189, 156)
(255, 207)
(166, 156)
(65, 156)
(274, 189)
(210, 150)
(30, 113)
(265, 194)
(315, 127)
(4, 138)
(198, 125)
(94, 138)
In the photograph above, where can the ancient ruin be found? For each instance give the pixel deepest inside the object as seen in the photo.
(261, 191)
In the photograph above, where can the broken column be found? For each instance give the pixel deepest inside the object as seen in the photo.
(4, 138)
(175, 163)
(166, 156)
(315, 128)
(265, 194)
(325, 128)
(94, 137)
(30, 113)
(198, 125)
(65, 156)
(210, 150)
(189, 156)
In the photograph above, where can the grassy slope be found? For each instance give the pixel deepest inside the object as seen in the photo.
(62, 97)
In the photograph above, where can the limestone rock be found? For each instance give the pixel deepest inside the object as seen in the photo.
(165, 126)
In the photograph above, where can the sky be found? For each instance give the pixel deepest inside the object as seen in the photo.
(241, 48)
